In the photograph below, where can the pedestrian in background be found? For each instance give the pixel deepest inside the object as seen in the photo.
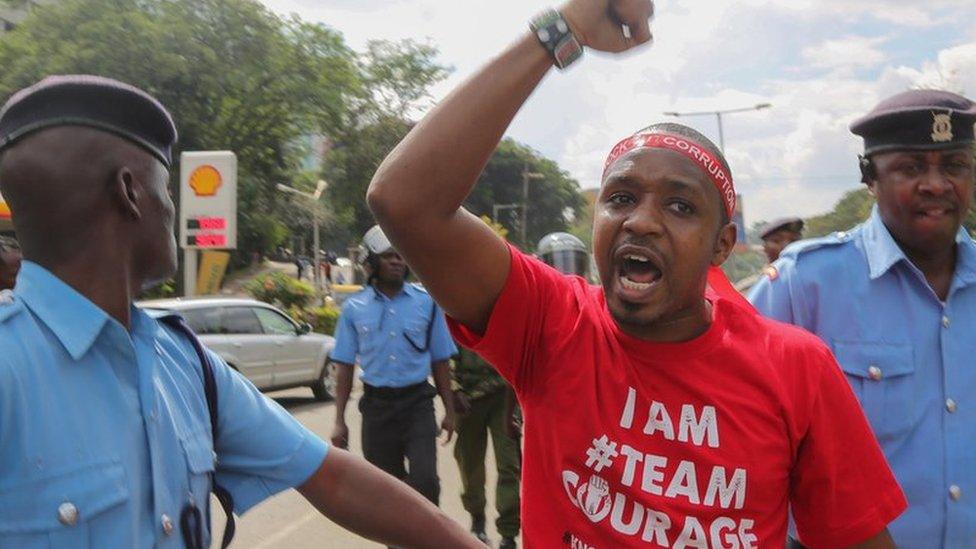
(779, 234)
(398, 336)
(895, 298)
(116, 425)
(10, 258)
(486, 406)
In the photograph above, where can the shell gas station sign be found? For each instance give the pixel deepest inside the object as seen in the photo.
(208, 200)
(5, 222)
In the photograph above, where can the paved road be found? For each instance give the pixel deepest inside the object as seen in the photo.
(287, 521)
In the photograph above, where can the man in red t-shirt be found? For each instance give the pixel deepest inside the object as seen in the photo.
(657, 412)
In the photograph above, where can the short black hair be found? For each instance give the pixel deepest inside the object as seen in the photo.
(693, 135)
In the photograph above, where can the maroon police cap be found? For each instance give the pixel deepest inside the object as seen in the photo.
(918, 120)
(92, 101)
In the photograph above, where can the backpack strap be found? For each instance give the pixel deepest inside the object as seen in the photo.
(177, 323)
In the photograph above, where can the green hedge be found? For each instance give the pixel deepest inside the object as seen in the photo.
(294, 296)
(281, 290)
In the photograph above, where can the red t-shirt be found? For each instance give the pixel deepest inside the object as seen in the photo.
(698, 444)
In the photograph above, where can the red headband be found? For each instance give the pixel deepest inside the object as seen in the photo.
(690, 150)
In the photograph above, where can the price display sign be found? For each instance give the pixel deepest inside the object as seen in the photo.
(208, 200)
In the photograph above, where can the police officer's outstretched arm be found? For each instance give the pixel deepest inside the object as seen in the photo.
(417, 192)
(363, 499)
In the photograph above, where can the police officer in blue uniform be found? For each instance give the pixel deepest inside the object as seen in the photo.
(895, 298)
(116, 426)
(400, 337)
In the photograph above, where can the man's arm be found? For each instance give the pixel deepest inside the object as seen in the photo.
(343, 388)
(417, 192)
(365, 500)
(442, 380)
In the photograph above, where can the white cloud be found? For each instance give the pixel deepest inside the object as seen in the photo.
(846, 53)
(821, 63)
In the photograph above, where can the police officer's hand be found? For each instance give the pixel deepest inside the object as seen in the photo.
(449, 425)
(597, 23)
(462, 404)
(340, 435)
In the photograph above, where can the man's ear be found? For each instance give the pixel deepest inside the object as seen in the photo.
(724, 243)
(127, 193)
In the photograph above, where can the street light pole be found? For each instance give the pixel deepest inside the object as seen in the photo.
(314, 198)
(718, 116)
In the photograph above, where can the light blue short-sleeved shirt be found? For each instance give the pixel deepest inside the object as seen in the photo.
(910, 358)
(105, 432)
(389, 336)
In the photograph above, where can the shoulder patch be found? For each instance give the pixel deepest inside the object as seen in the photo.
(810, 244)
(771, 272)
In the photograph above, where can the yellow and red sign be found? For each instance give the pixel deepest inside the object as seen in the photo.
(208, 200)
(205, 180)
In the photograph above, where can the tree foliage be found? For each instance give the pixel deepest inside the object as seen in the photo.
(554, 200)
(237, 77)
(852, 208)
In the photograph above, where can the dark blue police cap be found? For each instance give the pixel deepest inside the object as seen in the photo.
(918, 120)
(791, 224)
(92, 101)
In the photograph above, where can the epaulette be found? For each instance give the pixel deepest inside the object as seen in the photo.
(808, 245)
(10, 306)
(417, 286)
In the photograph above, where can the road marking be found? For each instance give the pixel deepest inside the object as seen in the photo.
(280, 535)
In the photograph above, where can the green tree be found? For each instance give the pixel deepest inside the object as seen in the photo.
(238, 77)
(852, 208)
(554, 200)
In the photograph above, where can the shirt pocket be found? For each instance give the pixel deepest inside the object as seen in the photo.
(59, 511)
(201, 464)
(416, 334)
(882, 376)
(368, 335)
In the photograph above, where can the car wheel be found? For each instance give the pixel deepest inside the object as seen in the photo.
(324, 387)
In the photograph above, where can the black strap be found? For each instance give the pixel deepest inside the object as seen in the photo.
(430, 329)
(177, 323)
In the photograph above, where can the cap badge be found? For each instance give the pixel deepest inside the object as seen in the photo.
(941, 128)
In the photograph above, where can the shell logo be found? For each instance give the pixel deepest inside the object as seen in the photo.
(205, 180)
(4, 209)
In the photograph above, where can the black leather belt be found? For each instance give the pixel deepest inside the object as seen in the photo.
(393, 392)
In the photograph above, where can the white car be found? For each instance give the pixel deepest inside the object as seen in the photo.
(258, 340)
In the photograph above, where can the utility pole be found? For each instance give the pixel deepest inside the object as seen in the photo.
(526, 176)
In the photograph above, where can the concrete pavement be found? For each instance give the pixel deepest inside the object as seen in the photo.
(288, 521)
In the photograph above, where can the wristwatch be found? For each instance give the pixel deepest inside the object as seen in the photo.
(555, 35)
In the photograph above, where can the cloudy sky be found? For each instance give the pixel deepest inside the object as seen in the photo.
(820, 63)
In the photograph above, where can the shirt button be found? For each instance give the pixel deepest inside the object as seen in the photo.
(950, 406)
(167, 524)
(68, 514)
(945, 322)
(393, 358)
(955, 492)
(874, 372)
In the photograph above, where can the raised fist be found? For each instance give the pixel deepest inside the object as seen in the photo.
(599, 24)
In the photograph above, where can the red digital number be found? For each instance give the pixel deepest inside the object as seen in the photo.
(212, 223)
(211, 240)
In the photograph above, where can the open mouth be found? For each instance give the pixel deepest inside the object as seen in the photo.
(638, 271)
(935, 212)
